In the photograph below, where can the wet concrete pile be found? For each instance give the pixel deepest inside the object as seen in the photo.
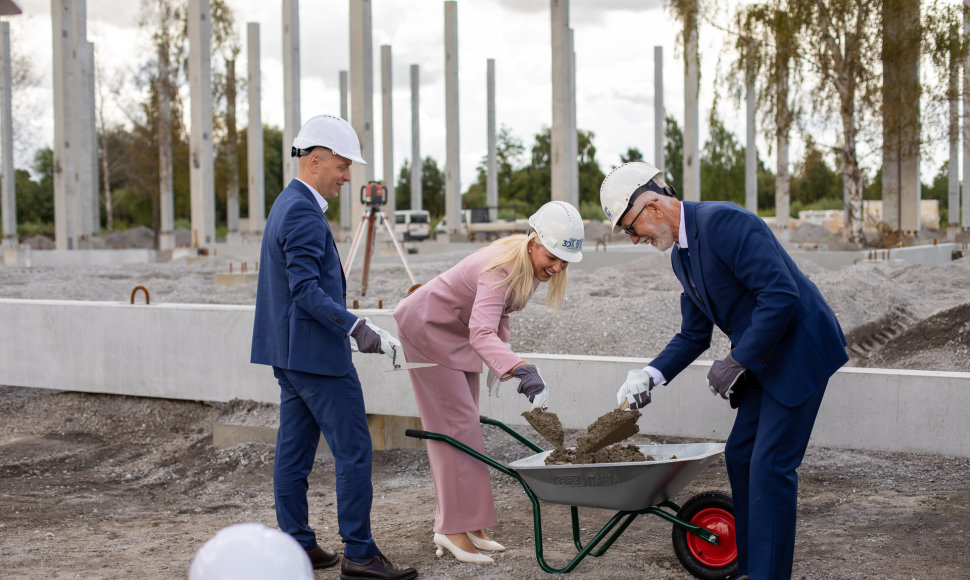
(595, 446)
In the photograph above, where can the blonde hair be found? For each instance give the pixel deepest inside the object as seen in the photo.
(512, 256)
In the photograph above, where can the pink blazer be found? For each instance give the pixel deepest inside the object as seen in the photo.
(459, 320)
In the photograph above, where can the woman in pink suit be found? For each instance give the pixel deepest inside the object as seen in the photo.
(459, 320)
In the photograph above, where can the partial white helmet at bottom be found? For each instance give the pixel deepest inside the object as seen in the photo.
(251, 552)
(331, 132)
(560, 229)
(620, 185)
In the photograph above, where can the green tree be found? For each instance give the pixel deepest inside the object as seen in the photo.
(673, 152)
(939, 190)
(632, 154)
(722, 165)
(35, 199)
(432, 187)
(813, 180)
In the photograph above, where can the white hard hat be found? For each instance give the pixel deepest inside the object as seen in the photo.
(331, 132)
(251, 552)
(624, 182)
(560, 229)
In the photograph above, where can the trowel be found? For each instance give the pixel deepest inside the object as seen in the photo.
(406, 366)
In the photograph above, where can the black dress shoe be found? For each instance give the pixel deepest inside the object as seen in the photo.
(321, 558)
(378, 567)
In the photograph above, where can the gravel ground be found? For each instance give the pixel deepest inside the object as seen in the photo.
(97, 486)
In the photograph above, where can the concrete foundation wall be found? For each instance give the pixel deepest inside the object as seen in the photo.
(201, 352)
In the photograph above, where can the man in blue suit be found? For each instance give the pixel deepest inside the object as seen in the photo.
(785, 344)
(303, 330)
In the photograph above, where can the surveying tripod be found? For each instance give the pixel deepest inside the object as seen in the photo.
(374, 196)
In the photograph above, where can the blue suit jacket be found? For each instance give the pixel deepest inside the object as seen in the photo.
(780, 327)
(301, 316)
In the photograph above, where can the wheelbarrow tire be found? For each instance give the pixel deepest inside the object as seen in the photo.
(712, 510)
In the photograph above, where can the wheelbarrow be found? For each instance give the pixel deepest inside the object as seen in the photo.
(703, 528)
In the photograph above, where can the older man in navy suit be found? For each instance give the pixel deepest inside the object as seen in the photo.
(303, 330)
(785, 344)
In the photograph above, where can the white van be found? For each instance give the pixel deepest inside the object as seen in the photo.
(412, 224)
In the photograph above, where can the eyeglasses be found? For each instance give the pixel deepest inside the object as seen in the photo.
(628, 230)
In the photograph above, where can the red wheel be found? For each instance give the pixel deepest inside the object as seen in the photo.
(721, 523)
(714, 511)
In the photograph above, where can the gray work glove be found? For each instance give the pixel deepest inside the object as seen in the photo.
(724, 373)
(635, 389)
(492, 380)
(389, 344)
(373, 340)
(531, 385)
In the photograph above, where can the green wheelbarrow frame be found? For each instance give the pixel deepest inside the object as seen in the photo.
(608, 534)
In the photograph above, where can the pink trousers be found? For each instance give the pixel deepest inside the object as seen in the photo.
(448, 403)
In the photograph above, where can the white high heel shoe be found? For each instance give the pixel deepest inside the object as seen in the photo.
(483, 544)
(442, 542)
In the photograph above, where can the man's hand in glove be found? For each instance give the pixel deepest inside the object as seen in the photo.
(531, 385)
(492, 380)
(373, 340)
(724, 373)
(635, 389)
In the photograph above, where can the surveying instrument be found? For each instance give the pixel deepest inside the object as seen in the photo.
(374, 196)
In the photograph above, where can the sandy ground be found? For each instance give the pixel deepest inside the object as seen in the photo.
(97, 486)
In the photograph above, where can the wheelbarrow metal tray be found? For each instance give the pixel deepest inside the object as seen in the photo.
(631, 486)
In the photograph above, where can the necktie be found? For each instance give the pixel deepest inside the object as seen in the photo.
(685, 261)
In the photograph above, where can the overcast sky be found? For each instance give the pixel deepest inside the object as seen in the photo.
(614, 44)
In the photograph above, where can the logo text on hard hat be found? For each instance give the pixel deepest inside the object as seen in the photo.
(573, 244)
(609, 214)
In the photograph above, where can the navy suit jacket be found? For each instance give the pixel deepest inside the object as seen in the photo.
(780, 327)
(301, 315)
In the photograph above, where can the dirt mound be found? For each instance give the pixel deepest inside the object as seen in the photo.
(946, 334)
(39, 243)
(138, 237)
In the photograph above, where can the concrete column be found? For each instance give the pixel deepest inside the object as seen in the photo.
(8, 193)
(692, 162)
(559, 154)
(254, 135)
(491, 171)
(201, 167)
(782, 176)
(658, 108)
(66, 215)
(572, 135)
(964, 197)
(387, 124)
(751, 148)
(345, 198)
(416, 162)
(232, 141)
(361, 100)
(88, 138)
(452, 155)
(291, 85)
(901, 124)
(953, 173)
(166, 199)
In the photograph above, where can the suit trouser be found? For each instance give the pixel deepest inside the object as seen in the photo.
(311, 404)
(764, 449)
(448, 403)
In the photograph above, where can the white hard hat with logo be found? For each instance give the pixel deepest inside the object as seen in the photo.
(560, 229)
(627, 181)
(251, 551)
(331, 132)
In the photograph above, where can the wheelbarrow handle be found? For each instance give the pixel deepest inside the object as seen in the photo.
(486, 421)
(417, 433)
